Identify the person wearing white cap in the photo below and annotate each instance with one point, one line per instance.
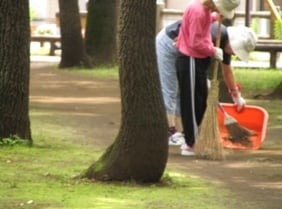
(239, 41)
(240, 38)
(242, 41)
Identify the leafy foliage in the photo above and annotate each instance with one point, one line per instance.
(255, 25)
(278, 28)
(12, 140)
(32, 13)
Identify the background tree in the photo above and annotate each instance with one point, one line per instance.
(14, 69)
(73, 51)
(140, 150)
(101, 31)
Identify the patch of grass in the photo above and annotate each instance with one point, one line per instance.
(42, 177)
(12, 141)
(250, 79)
(261, 79)
(99, 72)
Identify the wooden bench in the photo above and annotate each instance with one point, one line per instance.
(272, 46)
(52, 39)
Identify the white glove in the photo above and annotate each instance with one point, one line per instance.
(218, 54)
(209, 83)
(239, 102)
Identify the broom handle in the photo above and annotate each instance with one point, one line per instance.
(221, 108)
(226, 115)
(217, 44)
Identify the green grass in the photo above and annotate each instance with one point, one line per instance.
(250, 79)
(261, 79)
(99, 72)
(42, 177)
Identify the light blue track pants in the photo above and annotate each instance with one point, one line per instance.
(166, 58)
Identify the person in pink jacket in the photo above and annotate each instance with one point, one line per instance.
(196, 49)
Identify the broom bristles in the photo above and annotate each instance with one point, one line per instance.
(208, 143)
(239, 134)
(238, 131)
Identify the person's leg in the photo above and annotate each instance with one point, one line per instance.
(166, 57)
(186, 91)
(201, 88)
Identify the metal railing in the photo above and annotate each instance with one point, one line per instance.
(260, 20)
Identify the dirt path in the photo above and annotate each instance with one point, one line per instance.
(91, 107)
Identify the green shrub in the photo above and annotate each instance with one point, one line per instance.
(278, 28)
(32, 13)
(11, 141)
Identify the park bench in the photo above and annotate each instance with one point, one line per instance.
(272, 46)
(52, 39)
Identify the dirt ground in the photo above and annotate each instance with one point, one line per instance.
(92, 108)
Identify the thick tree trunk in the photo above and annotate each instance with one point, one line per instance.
(73, 51)
(101, 31)
(14, 69)
(140, 150)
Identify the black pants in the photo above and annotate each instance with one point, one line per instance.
(192, 79)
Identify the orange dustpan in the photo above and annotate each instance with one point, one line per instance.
(251, 117)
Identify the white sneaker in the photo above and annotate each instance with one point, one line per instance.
(186, 150)
(176, 139)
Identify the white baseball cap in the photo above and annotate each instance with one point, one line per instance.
(242, 40)
(226, 7)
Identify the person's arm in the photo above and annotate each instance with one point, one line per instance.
(231, 84)
(229, 78)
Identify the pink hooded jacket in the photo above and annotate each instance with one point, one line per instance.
(194, 37)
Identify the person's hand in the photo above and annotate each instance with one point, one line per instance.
(218, 54)
(239, 101)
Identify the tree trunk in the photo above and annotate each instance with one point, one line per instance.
(101, 31)
(14, 70)
(73, 51)
(140, 150)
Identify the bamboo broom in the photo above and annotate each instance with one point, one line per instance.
(208, 143)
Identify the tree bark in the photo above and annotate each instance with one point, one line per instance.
(73, 51)
(101, 31)
(15, 69)
(140, 150)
